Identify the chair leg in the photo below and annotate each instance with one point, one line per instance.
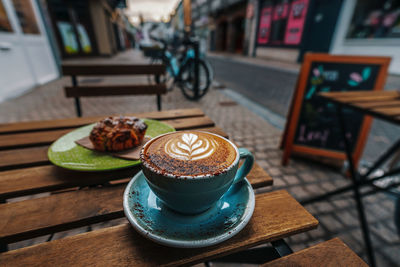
(78, 107)
(159, 102)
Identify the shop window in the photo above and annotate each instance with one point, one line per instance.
(73, 27)
(84, 39)
(68, 37)
(26, 16)
(375, 19)
(282, 22)
(5, 25)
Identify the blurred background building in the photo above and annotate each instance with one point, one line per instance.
(89, 27)
(35, 35)
(26, 54)
(286, 29)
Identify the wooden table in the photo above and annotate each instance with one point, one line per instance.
(26, 170)
(330, 253)
(380, 104)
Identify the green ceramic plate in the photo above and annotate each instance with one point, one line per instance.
(67, 154)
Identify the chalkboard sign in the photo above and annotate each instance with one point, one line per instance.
(312, 126)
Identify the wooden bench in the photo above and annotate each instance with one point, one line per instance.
(76, 91)
(333, 253)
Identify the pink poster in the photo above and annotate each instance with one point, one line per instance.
(265, 25)
(295, 25)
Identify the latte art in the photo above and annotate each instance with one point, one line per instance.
(190, 147)
(188, 153)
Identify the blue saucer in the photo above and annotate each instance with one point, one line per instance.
(155, 221)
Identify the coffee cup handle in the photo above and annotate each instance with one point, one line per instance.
(246, 166)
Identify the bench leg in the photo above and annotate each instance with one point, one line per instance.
(78, 107)
(159, 102)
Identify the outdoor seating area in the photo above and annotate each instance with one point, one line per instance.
(24, 148)
(199, 133)
(277, 214)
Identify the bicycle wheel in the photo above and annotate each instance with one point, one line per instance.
(187, 79)
(210, 69)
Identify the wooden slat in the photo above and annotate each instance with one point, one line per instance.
(367, 98)
(347, 94)
(76, 122)
(25, 157)
(55, 213)
(8, 141)
(276, 215)
(389, 111)
(27, 181)
(378, 104)
(190, 123)
(258, 177)
(112, 69)
(115, 90)
(215, 130)
(331, 253)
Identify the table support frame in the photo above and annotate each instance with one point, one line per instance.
(278, 249)
(355, 178)
(361, 180)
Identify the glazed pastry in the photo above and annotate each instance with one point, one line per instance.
(117, 133)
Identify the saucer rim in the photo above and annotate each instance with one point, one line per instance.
(248, 213)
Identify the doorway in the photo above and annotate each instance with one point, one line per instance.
(238, 35)
(221, 36)
(322, 26)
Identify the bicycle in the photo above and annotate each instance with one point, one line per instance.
(182, 71)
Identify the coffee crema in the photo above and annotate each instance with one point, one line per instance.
(189, 153)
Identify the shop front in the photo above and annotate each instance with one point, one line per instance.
(229, 23)
(369, 27)
(88, 27)
(73, 27)
(280, 28)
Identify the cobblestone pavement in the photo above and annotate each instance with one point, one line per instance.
(274, 88)
(337, 217)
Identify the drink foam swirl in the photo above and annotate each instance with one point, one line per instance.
(190, 146)
(188, 153)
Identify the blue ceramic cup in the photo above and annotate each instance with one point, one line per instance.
(189, 194)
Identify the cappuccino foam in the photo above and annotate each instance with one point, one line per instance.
(189, 153)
